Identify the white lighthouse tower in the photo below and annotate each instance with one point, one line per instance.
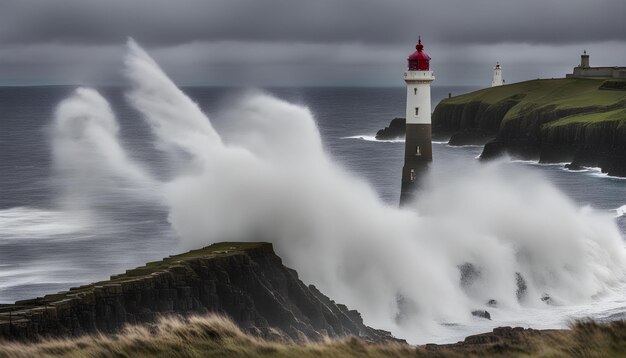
(418, 144)
(497, 76)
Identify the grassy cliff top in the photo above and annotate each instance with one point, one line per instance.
(564, 93)
(218, 249)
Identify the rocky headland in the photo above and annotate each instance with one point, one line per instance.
(246, 282)
(577, 121)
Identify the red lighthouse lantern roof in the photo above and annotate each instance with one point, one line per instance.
(419, 60)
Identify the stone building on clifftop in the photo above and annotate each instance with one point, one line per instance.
(584, 70)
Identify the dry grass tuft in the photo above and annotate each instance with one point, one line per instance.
(197, 336)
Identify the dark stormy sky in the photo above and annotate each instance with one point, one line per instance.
(314, 42)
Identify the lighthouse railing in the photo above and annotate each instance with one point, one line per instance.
(419, 75)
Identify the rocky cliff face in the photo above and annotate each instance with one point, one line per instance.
(245, 281)
(594, 145)
(472, 116)
(531, 136)
(474, 122)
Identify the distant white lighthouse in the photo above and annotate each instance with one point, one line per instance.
(418, 144)
(497, 76)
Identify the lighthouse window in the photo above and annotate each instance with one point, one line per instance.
(417, 151)
(414, 90)
(417, 111)
(412, 174)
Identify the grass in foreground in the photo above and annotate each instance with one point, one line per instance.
(209, 336)
(215, 336)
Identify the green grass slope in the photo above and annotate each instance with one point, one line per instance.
(618, 115)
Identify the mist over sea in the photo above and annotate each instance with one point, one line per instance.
(47, 245)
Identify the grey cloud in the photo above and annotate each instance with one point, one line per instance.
(315, 42)
(257, 63)
(162, 22)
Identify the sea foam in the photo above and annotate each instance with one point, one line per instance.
(25, 223)
(371, 138)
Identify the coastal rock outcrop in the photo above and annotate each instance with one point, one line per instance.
(396, 129)
(245, 281)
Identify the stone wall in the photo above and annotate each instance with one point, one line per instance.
(608, 72)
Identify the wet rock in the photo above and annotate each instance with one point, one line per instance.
(395, 130)
(492, 303)
(501, 342)
(482, 314)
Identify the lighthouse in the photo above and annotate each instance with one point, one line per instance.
(418, 151)
(497, 76)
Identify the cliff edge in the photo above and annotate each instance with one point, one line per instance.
(245, 281)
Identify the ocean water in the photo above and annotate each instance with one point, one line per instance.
(47, 246)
